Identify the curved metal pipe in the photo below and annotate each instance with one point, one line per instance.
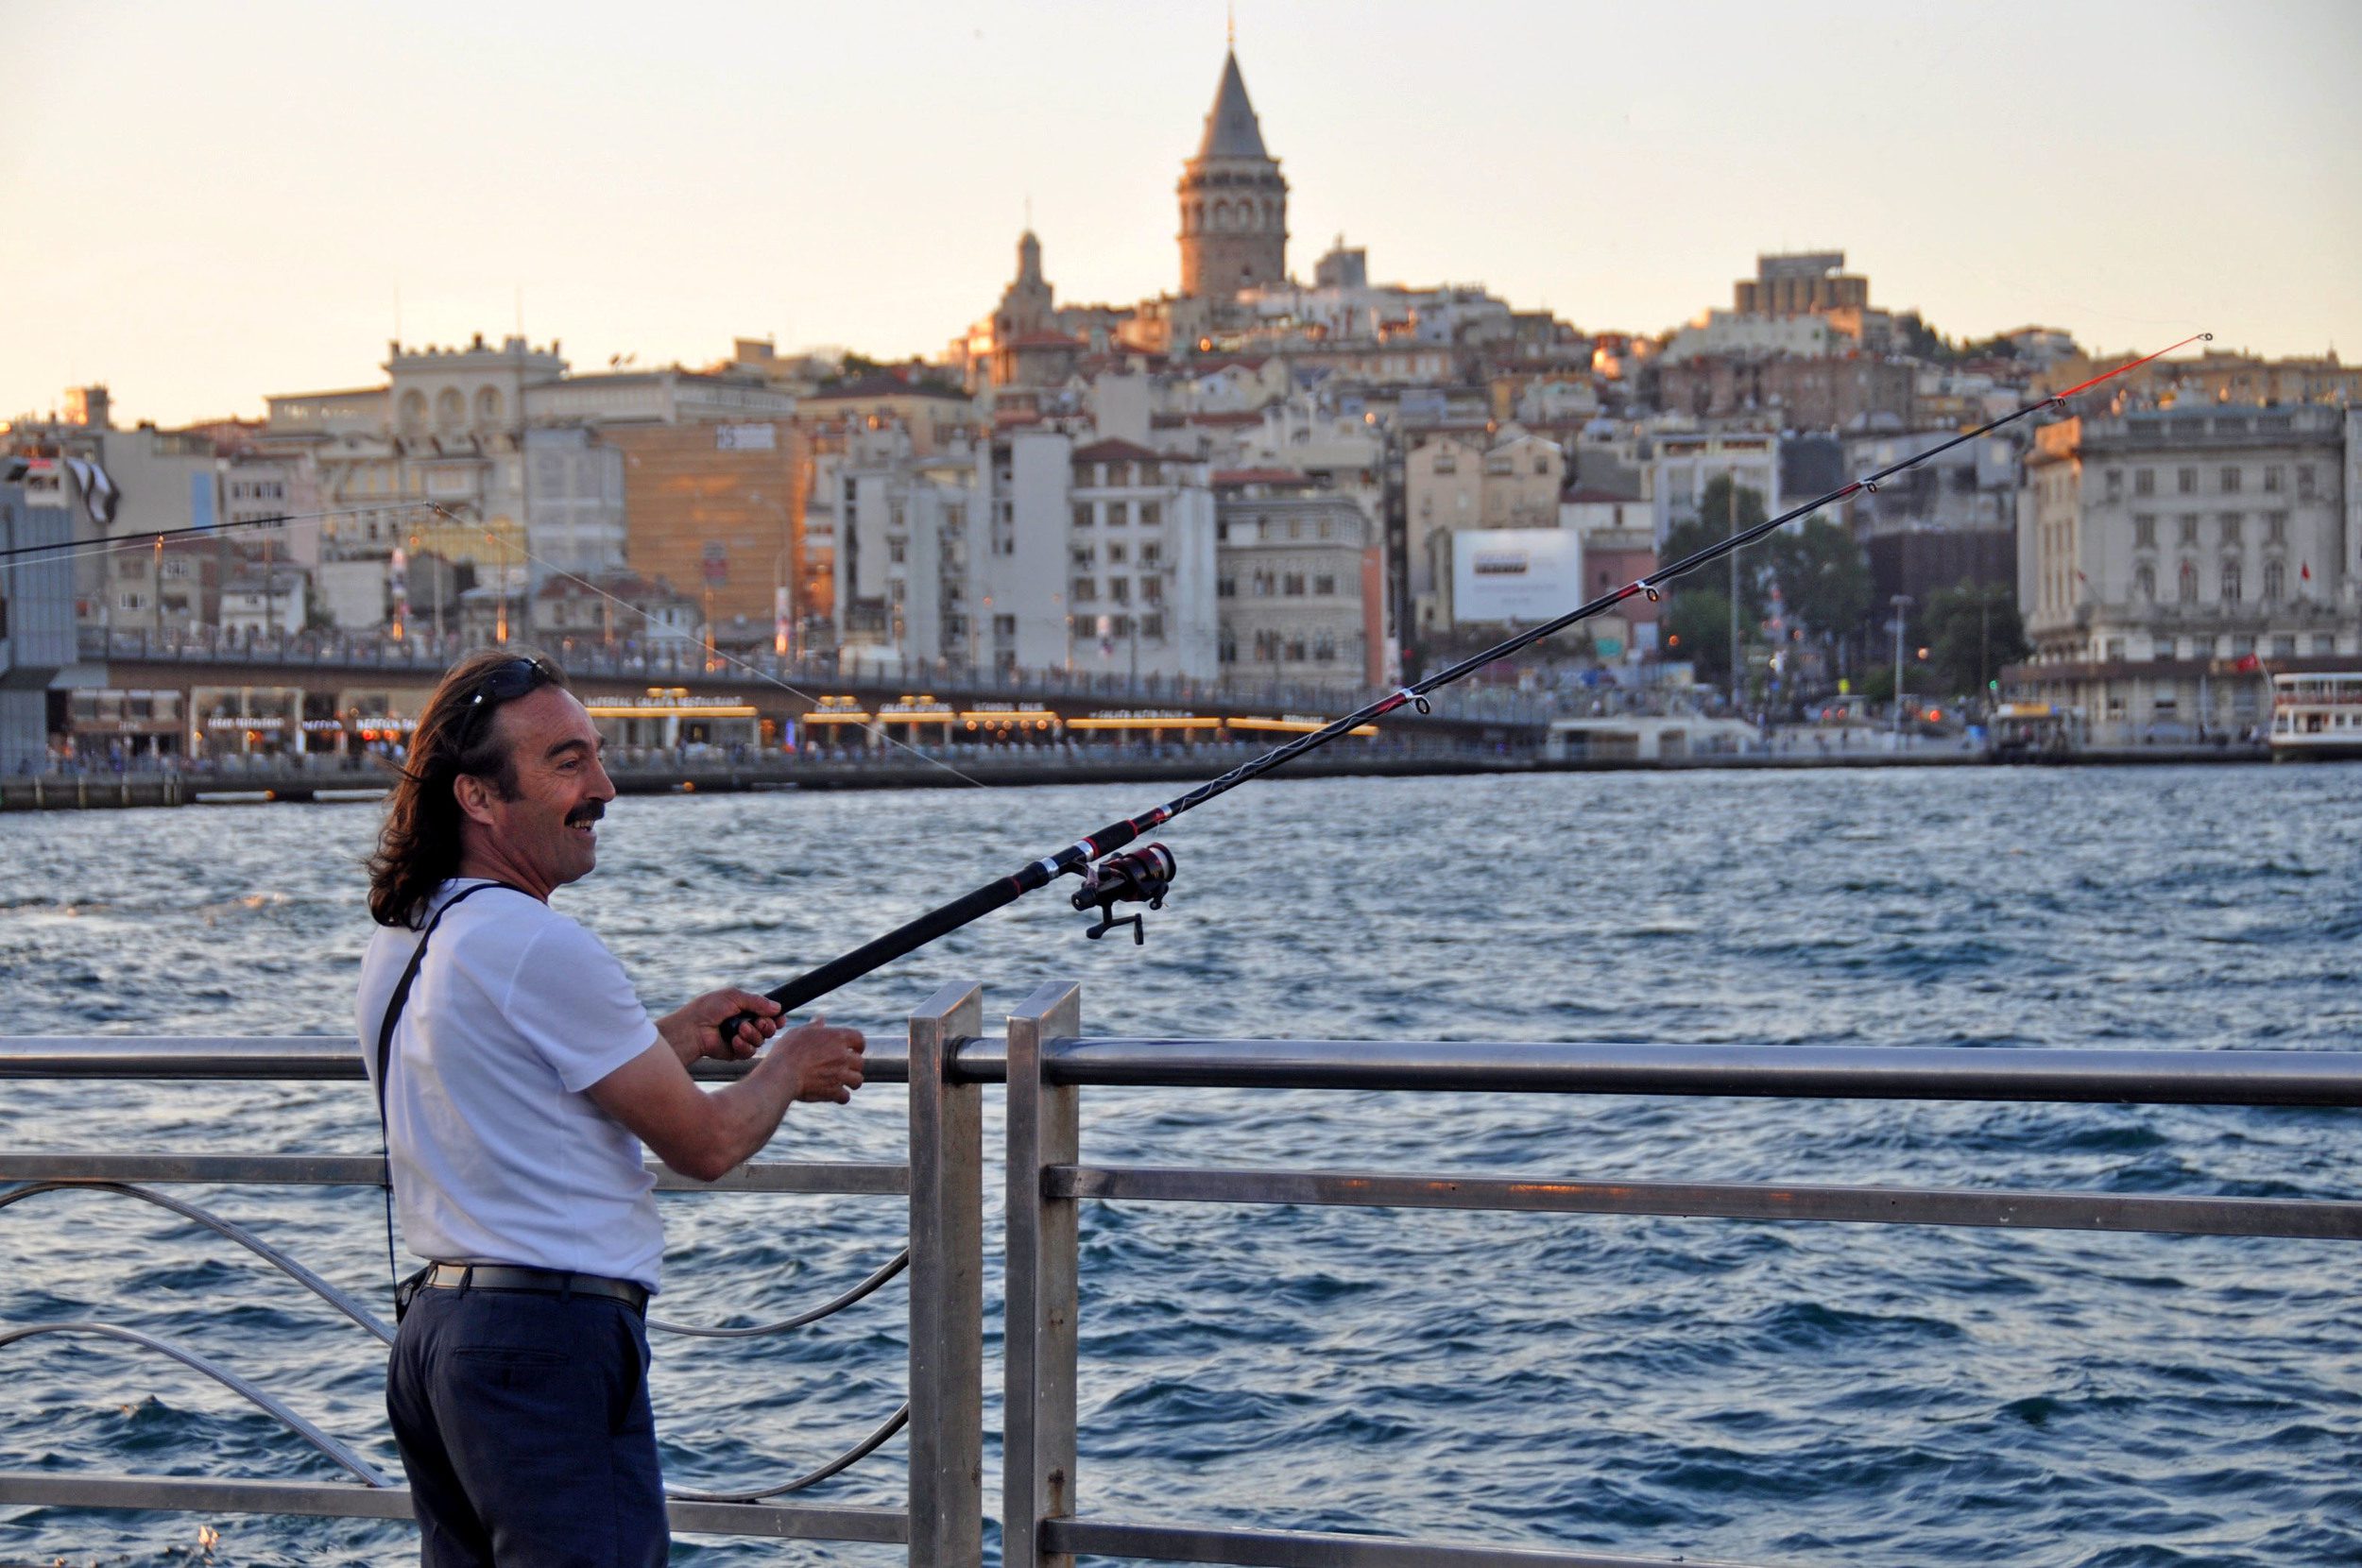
(894, 1266)
(852, 1456)
(222, 1375)
(219, 1226)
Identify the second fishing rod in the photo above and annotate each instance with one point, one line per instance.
(1109, 878)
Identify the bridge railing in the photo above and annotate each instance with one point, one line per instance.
(1047, 1062)
(941, 1182)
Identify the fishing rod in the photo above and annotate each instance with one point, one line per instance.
(1146, 874)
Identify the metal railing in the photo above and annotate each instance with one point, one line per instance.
(941, 1521)
(1046, 1061)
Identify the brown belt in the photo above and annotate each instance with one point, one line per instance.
(546, 1282)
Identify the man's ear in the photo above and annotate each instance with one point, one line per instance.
(476, 798)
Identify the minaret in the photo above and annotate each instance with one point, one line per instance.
(1234, 204)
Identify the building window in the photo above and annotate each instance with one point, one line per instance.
(2115, 650)
(1152, 591)
(898, 551)
(1446, 462)
(2230, 478)
(1263, 584)
(2324, 644)
(1119, 591)
(2284, 646)
(1292, 584)
(1152, 512)
(2233, 526)
(2116, 484)
(1085, 588)
(2275, 582)
(1119, 474)
(1115, 552)
(2188, 587)
(1150, 553)
(1118, 513)
(1225, 588)
(2144, 482)
(2185, 481)
(2231, 585)
(2145, 582)
(2189, 528)
(1005, 627)
(2304, 481)
(2273, 477)
(1325, 585)
(2275, 528)
(1082, 514)
(1153, 627)
(2145, 530)
(1085, 556)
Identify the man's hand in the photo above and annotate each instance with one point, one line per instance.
(694, 1030)
(827, 1061)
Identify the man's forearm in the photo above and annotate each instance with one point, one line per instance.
(746, 1113)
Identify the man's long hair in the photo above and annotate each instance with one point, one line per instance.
(419, 849)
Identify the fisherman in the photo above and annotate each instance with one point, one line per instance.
(519, 1077)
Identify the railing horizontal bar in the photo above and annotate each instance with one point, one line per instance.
(1804, 1072)
(1314, 1549)
(2313, 1219)
(202, 1495)
(369, 1170)
(282, 1058)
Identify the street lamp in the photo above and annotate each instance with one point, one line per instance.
(1900, 602)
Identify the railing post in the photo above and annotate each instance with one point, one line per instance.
(1038, 1410)
(947, 1476)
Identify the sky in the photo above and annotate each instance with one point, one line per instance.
(203, 205)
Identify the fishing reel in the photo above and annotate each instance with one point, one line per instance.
(1143, 876)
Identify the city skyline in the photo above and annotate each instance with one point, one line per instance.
(827, 178)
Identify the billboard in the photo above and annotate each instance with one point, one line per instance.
(1514, 573)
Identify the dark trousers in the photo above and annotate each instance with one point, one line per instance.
(523, 1423)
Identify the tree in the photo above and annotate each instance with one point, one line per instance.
(1699, 629)
(1716, 507)
(1970, 634)
(1824, 577)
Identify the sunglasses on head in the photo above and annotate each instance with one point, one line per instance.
(506, 683)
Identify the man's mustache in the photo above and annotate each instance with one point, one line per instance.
(590, 812)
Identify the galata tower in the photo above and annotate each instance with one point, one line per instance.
(1234, 204)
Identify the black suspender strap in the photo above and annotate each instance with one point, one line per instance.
(394, 1005)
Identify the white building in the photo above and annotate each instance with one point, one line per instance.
(1686, 464)
(2171, 561)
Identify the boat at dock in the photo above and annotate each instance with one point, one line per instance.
(2316, 717)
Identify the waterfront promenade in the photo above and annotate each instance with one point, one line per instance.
(706, 771)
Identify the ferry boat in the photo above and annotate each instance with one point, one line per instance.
(2317, 716)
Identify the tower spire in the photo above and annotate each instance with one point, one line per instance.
(1230, 30)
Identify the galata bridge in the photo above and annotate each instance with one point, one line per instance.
(275, 712)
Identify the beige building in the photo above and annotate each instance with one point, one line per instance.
(1298, 582)
(1458, 481)
(2170, 561)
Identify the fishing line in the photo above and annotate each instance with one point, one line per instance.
(149, 538)
(1145, 875)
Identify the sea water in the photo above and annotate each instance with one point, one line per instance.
(1780, 1394)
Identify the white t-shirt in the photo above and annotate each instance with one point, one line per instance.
(499, 1155)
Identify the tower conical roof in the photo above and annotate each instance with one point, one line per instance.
(1231, 129)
